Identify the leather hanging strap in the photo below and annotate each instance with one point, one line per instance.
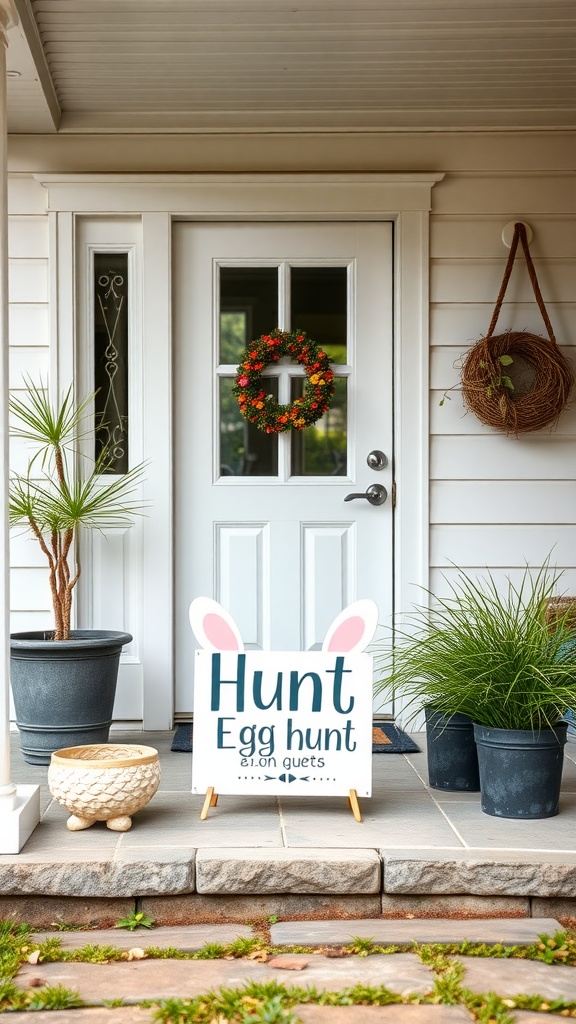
(520, 236)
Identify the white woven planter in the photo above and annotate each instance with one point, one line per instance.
(109, 782)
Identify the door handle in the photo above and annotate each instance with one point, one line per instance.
(376, 494)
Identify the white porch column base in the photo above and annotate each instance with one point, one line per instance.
(19, 815)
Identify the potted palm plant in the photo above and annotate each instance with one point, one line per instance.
(487, 653)
(63, 680)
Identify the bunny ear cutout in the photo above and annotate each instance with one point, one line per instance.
(214, 627)
(353, 629)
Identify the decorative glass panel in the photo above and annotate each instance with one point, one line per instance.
(245, 450)
(111, 360)
(321, 450)
(319, 307)
(248, 308)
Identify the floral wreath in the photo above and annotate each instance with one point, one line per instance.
(261, 408)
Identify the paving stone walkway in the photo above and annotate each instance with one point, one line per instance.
(403, 973)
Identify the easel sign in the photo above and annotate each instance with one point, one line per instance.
(282, 722)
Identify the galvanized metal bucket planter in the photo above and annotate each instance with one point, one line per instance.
(520, 770)
(64, 690)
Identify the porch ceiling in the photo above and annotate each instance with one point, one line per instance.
(242, 65)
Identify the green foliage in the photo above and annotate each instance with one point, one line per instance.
(434, 953)
(50, 950)
(97, 954)
(135, 919)
(487, 654)
(168, 953)
(211, 951)
(53, 997)
(448, 983)
(49, 997)
(270, 1011)
(563, 1007)
(436, 956)
(52, 500)
(14, 947)
(215, 951)
(496, 380)
(488, 1008)
(556, 949)
(12, 930)
(361, 946)
(11, 997)
(366, 995)
(266, 1003)
(244, 946)
(277, 950)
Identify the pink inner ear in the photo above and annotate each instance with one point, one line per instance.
(219, 633)
(348, 634)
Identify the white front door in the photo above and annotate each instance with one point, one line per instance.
(261, 520)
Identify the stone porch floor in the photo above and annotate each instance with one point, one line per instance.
(417, 852)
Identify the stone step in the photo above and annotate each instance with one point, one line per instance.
(188, 938)
(137, 980)
(386, 932)
(382, 1014)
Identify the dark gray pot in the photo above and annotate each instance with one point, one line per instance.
(452, 755)
(520, 770)
(64, 689)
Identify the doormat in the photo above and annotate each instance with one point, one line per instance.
(387, 738)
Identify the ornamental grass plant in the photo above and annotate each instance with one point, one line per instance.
(487, 652)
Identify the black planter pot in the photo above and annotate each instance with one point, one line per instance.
(64, 690)
(452, 755)
(520, 770)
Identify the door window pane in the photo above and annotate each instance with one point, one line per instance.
(245, 450)
(111, 360)
(248, 308)
(319, 306)
(321, 450)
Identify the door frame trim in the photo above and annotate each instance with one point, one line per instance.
(404, 199)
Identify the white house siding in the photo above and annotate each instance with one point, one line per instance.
(29, 337)
(494, 501)
(499, 501)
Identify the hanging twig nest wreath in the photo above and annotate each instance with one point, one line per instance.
(260, 407)
(489, 387)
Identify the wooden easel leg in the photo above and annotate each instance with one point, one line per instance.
(209, 801)
(354, 805)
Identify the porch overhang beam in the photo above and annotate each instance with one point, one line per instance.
(34, 43)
